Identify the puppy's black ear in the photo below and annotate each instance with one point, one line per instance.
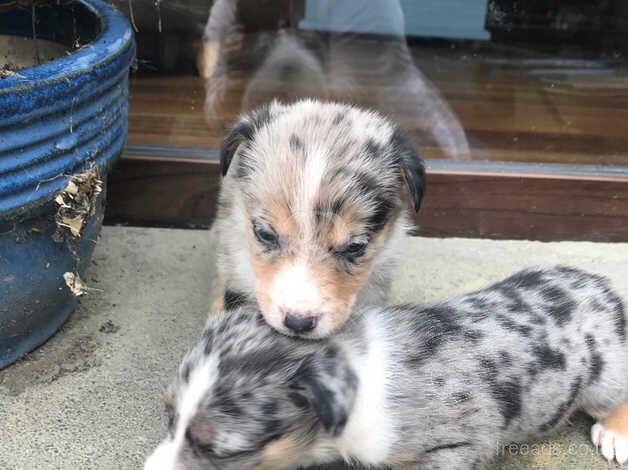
(412, 167)
(326, 383)
(240, 133)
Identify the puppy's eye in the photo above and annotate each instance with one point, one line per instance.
(352, 250)
(265, 236)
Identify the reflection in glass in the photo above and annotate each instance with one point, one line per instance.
(490, 80)
(377, 71)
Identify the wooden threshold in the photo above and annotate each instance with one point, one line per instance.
(174, 187)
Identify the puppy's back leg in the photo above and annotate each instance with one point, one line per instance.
(606, 397)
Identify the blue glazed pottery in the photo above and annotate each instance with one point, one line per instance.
(62, 125)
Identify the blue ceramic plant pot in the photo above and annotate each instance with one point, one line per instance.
(62, 125)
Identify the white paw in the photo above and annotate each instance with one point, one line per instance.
(613, 446)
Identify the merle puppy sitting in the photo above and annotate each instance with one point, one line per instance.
(437, 387)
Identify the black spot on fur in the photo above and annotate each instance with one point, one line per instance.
(365, 183)
(454, 445)
(549, 358)
(596, 363)
(508, 396)
(461, 397)
(553, 294)
(563, 409)
(271, 428)
(561, 310)
(516, 304)
(272, 425)
(620, 320)
(338, 118)
(532, 369)
(507, 393)
(510, 325)
(298, 400)
(439, 381)
(489, 370)
(383, 200)
(381, 215)
(269, 408)
(579, 282)
(234, 299)
(473, 336)
(527, 279)
(227, 404)
(295, 143)
(438, 324)
(330, 352)
(371, 149)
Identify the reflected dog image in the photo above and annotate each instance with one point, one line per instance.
(260, 59)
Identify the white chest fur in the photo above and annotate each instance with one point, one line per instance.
(369, 434)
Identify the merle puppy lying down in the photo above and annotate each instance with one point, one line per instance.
(437, 387)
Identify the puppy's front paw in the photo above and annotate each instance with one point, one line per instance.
(614, 446)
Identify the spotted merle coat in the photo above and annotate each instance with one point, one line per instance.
(311, 212)
(437, 387)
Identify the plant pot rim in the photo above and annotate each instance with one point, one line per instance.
(114, 38)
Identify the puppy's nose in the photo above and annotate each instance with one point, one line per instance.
(300, 323)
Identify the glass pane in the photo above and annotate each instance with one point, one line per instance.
(485, 80)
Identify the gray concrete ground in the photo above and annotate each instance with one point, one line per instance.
(91, 398)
